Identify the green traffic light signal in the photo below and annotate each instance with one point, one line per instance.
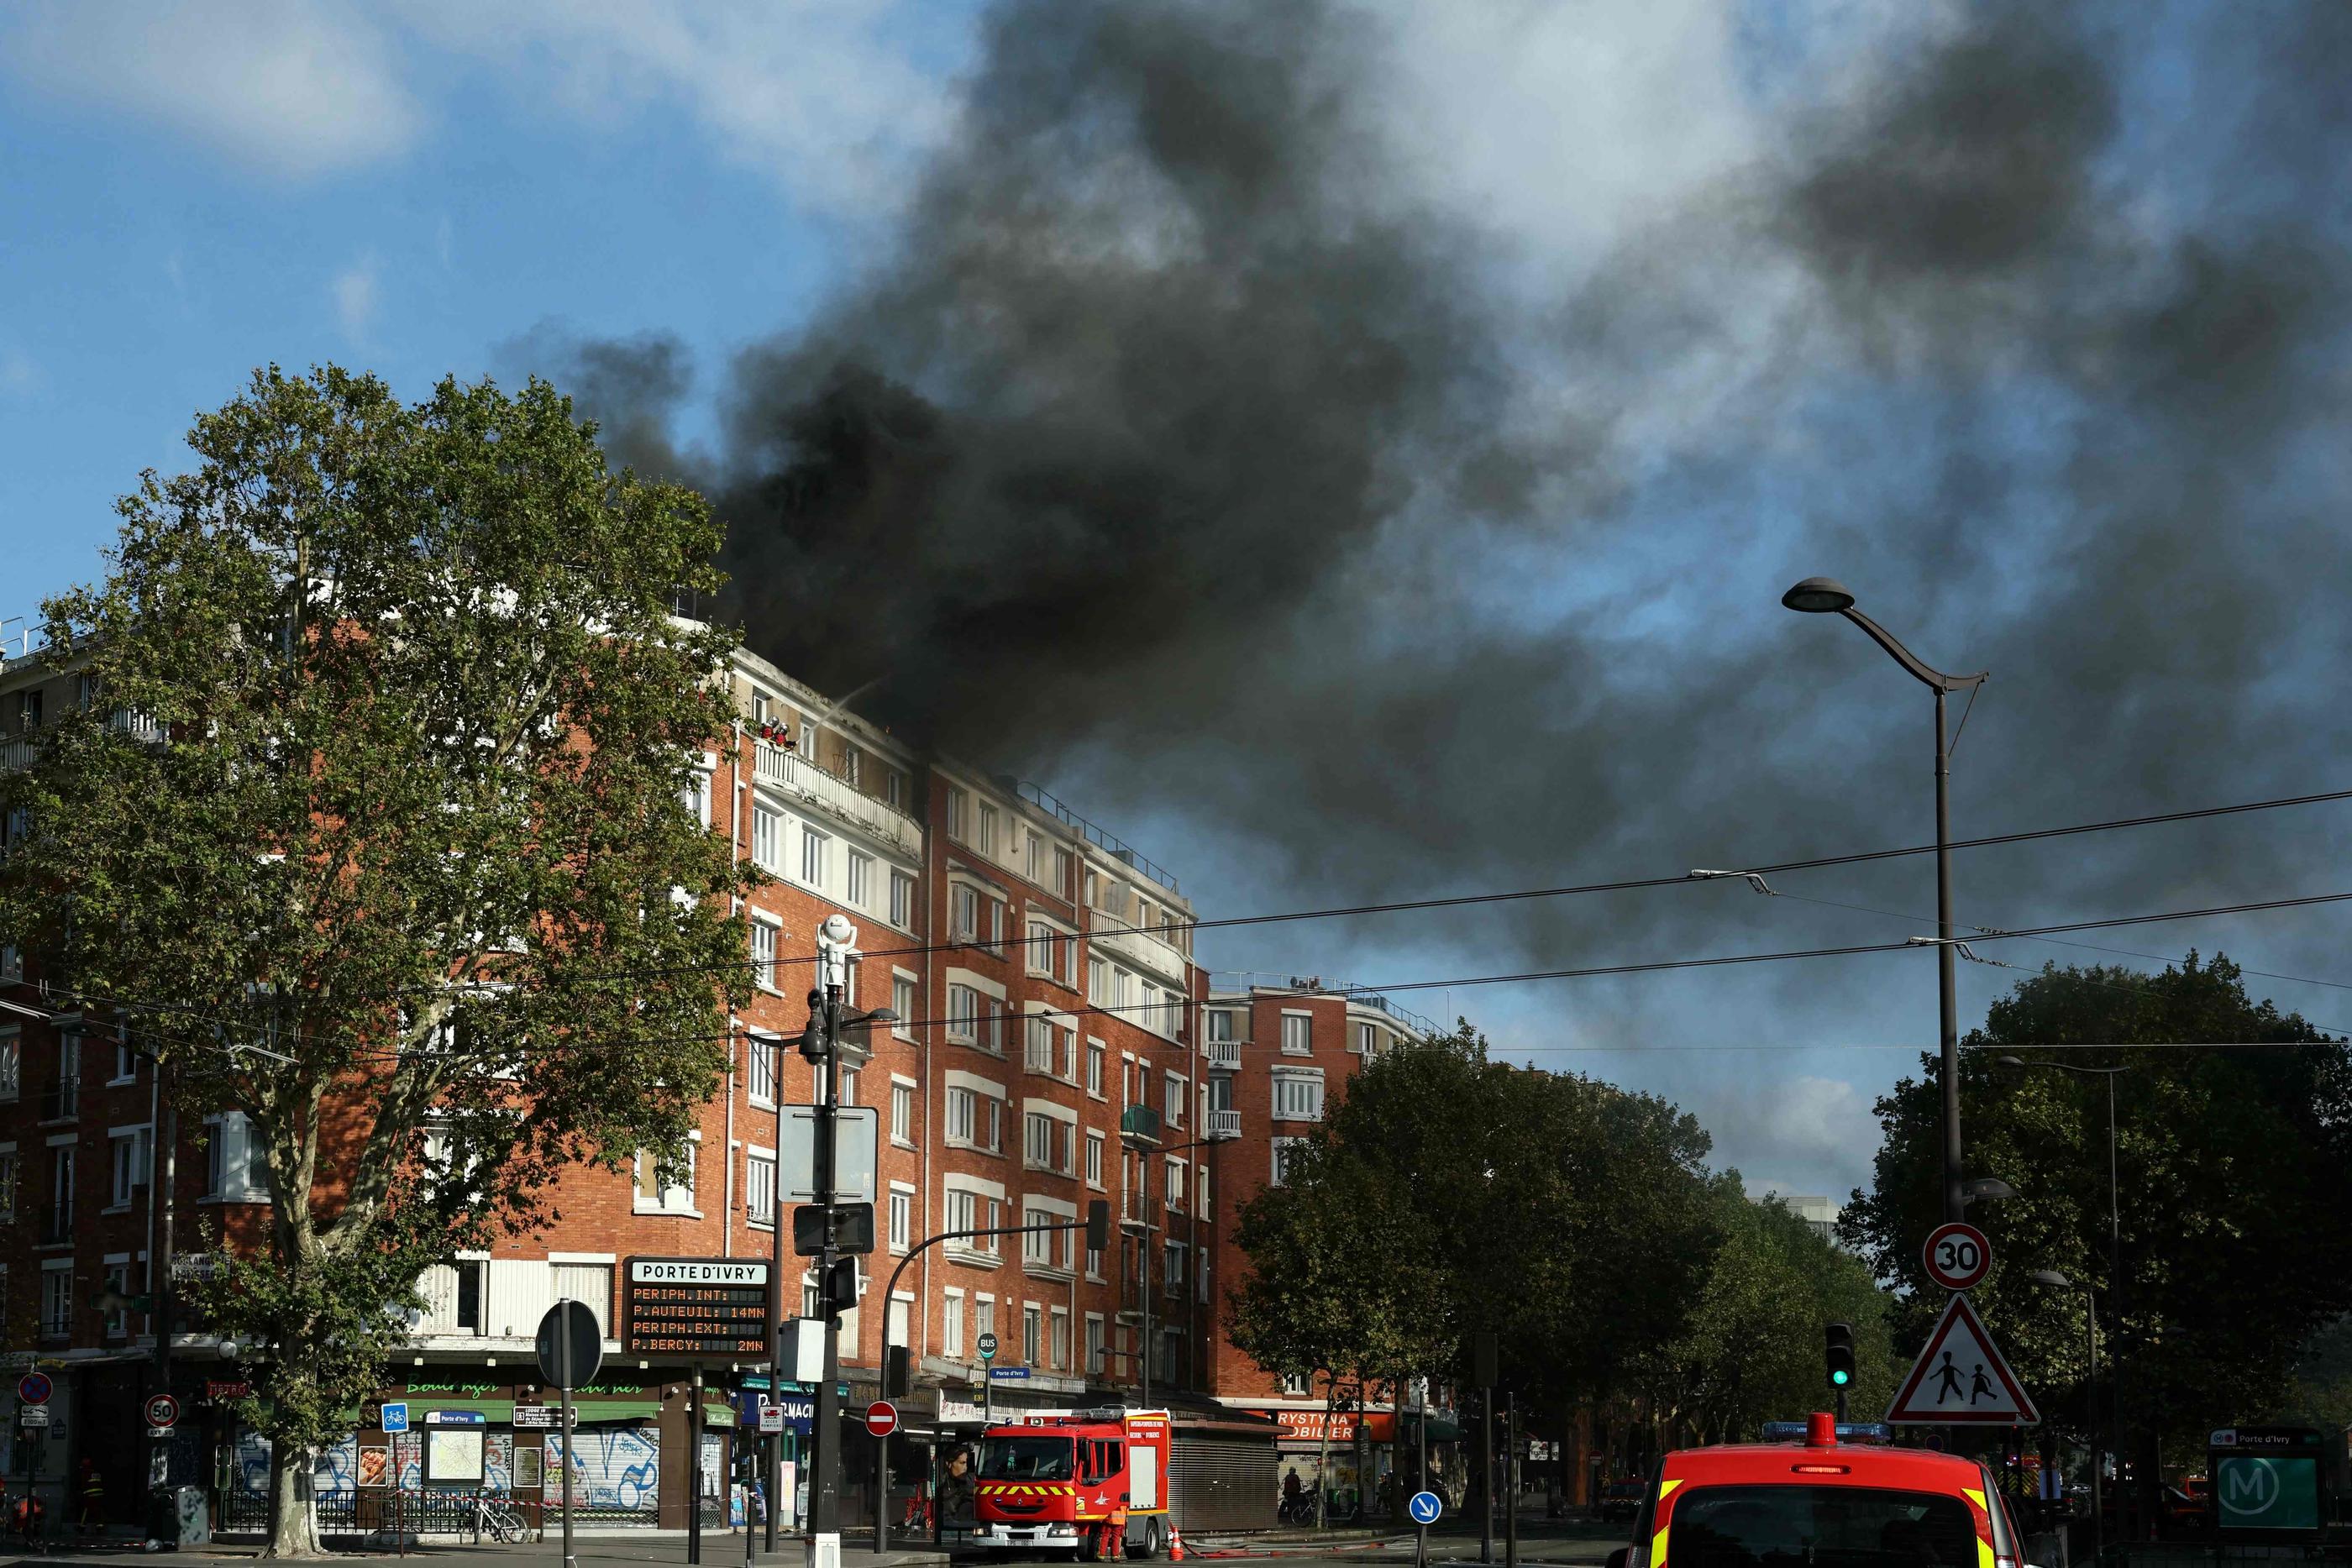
(1840, 1377)
(1839, 1338)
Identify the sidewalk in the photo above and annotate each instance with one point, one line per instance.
(719, 1550)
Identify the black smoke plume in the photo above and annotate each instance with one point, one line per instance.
(1184, 444)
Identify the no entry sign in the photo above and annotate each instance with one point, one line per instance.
(881, 1417)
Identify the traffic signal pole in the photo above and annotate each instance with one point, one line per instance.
(825, 1483)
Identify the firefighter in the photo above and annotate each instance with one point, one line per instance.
(89, 1518)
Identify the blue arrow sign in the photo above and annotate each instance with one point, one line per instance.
(1007, 1374)
(1425, 1507)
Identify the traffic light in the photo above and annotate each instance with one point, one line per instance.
(1840, 1356)
(896, 1381)
(840, 1289)
(1099, 1225)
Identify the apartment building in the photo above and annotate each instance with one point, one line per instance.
(1279, 1049)
(1048, 1054)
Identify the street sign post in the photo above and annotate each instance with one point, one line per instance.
(396, 1416)
(1958, 1256)
(1424, 1507)
(988, 1347)
(571, 1349)
(34, 1388)
(1962, 1379)
(881, 1417)
(163, 1411)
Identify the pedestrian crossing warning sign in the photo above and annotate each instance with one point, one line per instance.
(1960, 1378)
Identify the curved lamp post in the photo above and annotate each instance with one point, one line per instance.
(1825, 596)
(2058, 1281)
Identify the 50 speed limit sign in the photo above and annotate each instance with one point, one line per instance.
(1956, 1256)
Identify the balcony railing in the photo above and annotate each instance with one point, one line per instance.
(1140, 1122)
(1224, 1055)
(16, 755)
(795, 775)
(1224, 1125)
(1092, 834)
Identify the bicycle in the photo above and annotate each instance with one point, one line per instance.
(498, 1518)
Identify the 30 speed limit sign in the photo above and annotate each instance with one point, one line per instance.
(1956, 1256)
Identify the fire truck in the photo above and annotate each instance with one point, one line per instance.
(1078, 1482)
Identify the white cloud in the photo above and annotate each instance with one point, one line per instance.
(1801, 1135)
(355, 292)
(20, 374)
(293, 87)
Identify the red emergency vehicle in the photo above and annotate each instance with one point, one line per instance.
(1074, 1479)
(1821, 1503)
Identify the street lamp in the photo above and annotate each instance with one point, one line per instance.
(2058, 1281)
(1987, 1186)
(1823, 596)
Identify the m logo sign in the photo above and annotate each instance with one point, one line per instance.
(2250, 1487)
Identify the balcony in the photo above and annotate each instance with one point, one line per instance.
(1223, 1124)
(795, 775)
(1146, 952)
(16, 755)
(1224, 1055)
(1139, 1124)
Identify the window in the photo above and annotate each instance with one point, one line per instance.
(1059, 1348)
(7, 1182)
(1037, 1044)
(1201, 1273)
(894, 787)
(1178, 1091)
(1147, 1011)
(1221, 1092)
(1175, 1184)
(970, 1210)
(902, 1220)
(1297, 1097)
(812, 744)
(1221, 1024)
(1064, 864)
(1045, 1143)
(1282, 1147)
(764, 955)
(1298, 1384)
(12, 1065)
(950, 1319)
(1095, 1054)
(128, 1151)
(963, 912)
(1297, 1033)
(28, 711)
(768, 838)
(1029, 1325)
(590, 1281)
(983, 1315)
(56, 1298)
(902, 1113)
(852, 766)
(902, 1002)
(1171, 1268)
(963, 1013)
(118, 1279)
(468, 1306)
(760, 709)
(61, 1192)
(1043, 942)
(1094, 1263)
(973, 1120)
(696, 796)
(813, 851)
(126, 1061)
(959, 813)
(235, 1169)
(861, 878)
(1094, 1159)
(760, 1188)
(1037, 1246)
(666, 1186)
(902, 899)
(760, 1051)
(849, 1086)
(1033, 858)
(987, 845)
(1368, 1039)
(1097, 982)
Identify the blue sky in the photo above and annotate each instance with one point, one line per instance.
(416, 187)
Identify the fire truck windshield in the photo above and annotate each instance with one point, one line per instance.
(1025, 1459)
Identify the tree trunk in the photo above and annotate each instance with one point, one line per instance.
(293, 1528)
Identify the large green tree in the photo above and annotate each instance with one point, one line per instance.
(2233, 1126)
(1568, 1216)
(409, 882)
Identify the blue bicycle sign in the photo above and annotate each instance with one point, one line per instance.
(1424, 1507)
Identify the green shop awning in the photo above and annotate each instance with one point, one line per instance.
(584, 1411)
(489, 1409)
(716, 1415)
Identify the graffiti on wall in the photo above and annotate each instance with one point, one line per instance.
(497, 1462)
(618, 1468)
(250, 1465)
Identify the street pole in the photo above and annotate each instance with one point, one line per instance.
(824, 1487)
(777, 1297)
(2114, 1286)
(1143, 1247)
(1511, 1480)
(694, 1492)
(2090, 1414)
(563, 1364)
(1486, 1474)
(165, 1161)
(1821, 596)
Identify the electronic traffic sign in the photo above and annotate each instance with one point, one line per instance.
(714, 1309)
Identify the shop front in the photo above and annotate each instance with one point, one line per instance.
(1363, 1465)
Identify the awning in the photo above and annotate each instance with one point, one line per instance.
(488, 1409)
(614, 1410)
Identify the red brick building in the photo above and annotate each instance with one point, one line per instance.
(1049, 1054)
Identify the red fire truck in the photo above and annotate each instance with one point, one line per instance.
(1074, 1481)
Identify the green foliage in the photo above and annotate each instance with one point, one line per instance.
(413, 858)
(1754, 1348)
(1447, 1195)
(2235, 1240)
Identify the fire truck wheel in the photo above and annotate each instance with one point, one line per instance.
(1090, 1545)
(1155, 1539)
